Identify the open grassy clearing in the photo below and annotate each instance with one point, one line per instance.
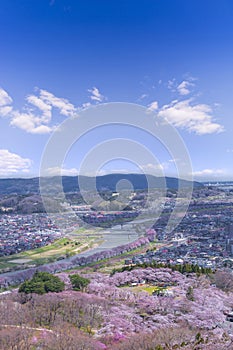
(146, 288)
(61, 248)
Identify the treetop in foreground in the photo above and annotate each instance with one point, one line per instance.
(41, 283)
(78, 282)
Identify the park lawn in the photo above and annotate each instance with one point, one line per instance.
(149, 289)
(145, 287)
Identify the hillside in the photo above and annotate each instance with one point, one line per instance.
(105, 182)
(121, 311)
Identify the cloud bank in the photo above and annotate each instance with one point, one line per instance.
(12, 163)
(36, 115)
(195, 118)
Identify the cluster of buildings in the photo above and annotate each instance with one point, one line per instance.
(205, 235)
(105, 218)
(23, 232)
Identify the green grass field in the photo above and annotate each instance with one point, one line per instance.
(64, 247)
(146, 288)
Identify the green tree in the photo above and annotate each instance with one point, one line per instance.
(189, 294)
(78, 282)
(42, 282)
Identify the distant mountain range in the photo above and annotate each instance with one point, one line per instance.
(106, 182)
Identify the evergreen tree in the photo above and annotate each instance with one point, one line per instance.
(78, 282)
(41, 283)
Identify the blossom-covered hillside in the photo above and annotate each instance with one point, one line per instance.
(121, 312)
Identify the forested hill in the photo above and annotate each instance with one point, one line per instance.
(105, 182)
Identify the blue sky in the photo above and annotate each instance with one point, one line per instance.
(172, 56)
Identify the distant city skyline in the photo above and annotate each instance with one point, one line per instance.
(61, 57)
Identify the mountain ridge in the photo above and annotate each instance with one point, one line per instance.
(103, 182)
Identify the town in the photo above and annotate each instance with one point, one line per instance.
(204, 237)
(23, 232)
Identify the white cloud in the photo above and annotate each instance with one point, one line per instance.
(45, 108)
(184, 87)
(174, 160)
(197, 118)
(142, 97)
(5, 111)
(29, 122)
(153, 106)
(171, 84)
(36, 115)
(101, 172)
(96, 95)
(12, 163)
(39, 124)
(65, 107)
(5, 99)
(57, 171)
(156, 169)
(5, 103)
(209, 172)
(86, 105)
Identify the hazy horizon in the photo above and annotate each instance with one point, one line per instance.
(120, 173)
